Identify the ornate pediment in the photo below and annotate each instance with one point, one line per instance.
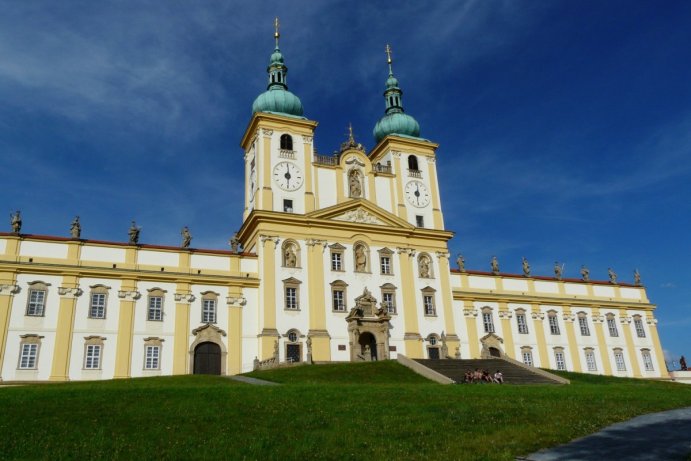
(359, 215)
(208, 330)
(366, 307)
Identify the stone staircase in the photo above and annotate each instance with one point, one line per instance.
(514, 372)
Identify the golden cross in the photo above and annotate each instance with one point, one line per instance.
(351, 138)
(388, 53)
(276, 33)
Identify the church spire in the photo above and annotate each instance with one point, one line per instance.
(393, 93)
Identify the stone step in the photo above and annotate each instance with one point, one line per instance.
(513, 374)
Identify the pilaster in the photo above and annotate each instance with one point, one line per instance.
(452, 339)
(505, 316)
(411, 338)
(538, 324)
(128, 295)
(652, 327)
(598, 320)
(8, 289)
(401, 209)
(69, 292)
(235, 303)
(265, 196)
(267, 317)
(321, 346)
(470, 313)
(436, 202)
(633, 355)
(569, 319)
(183, 299)
(308, 169)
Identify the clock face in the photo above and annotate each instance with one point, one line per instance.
(288, 176)
(417, 194)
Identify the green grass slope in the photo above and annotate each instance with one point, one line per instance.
(346, 411)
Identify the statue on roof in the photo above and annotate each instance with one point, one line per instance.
(526, 267)
(75, 228)
(637, 278)
(133, 233)
(16, 221)
(460, 261)
(351, 143)
(234, 243)
(495, 265)
(612, 275)
(585, 274)
(186, 237)
(558, 269)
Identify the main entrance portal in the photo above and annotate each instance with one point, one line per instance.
(207, 359)
(368, 346)
(368, 328)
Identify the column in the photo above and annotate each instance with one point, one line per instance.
(267, 270)
(601, 343)
(128, 295)
(183, 298)
(633, 353)
(470, 313)
(235, 302)
(308, 169)
(402, 211)
(8, 288)
(69, 291)
(447, 302)
(652, 327)
(411, 337)
(436, 207)
(538, 318)
(569, 319)
(321, 341)
(505, 316)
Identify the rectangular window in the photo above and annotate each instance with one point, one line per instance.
(428, 302)
(37, 302)
(559, 358)
(583, 323)
(209, 311)
(419, 221)
(487, 322)
(152, 360)
(97, 310)
(28, 356)
(554, 325)
(338, 301)
(388, 301)
(590, 360)
(522, 324)
(155, 308)
(288, 206)
(291, 298)
(336, 261)
(92, 358)
(385, 263)
(638, 323)
(612, 326)
(619, 360)
(528, 358)
(647, 361)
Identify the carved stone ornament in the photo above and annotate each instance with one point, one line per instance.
(315, 242)
(360, 215)
(470, 312)
(396, 154)
(9, 289)
(651, 321)
(353, 160)
(266, 132)
(505, 314)
(70, 292)
(130, 295)
(598, 318)
(538, 315)
(273, 238)
(443, 254)
(625, 320)
(208, 331)
(236, 300)
(307, 139)
(569, 317)
(184, 298)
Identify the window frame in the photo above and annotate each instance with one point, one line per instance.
(527, 356)
(647, 360)
(553, 322)
(583, 324)
(386, 255)
(33, 341)
(590, 360)
(390, 290)
(211, 298)
(291, 294)
(619, 359)
(522, 322)
(337, 249)
(488, 320)
(638, 325)
(152, 343)
(560, 359)
(154, 306)
(429, 304)
(35, 308)
(612, 325)
(98, 291)
(339, 286)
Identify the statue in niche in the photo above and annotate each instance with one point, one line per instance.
(133, 233)
(75, 228)
(186, 237)
(424, 267)
(495, 265)
(290, 258)
(360, 259)
(460, 261)
(234, 243)
(585, 274)
(354, 184)
(612, 275)
(637, 278)
(526, 267)
(16, 221)
(557, 270)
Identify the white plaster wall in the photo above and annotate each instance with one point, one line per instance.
(455, 280)
(220, 263)
(158, 258)
(575, 289)
(82, 322)
(515, 285)
(76, 362)
(522, 339)
(327, 187)
(3, 245)
(142, 326)
(631, 293)
(10, 371)
(486, 283)
(103, 254)
(292, 319)
(222, 308)
(382, 186)
(600, 290)
(560, 340)
(22, 323)
(43, 249)
(546, 287)
(249, 265)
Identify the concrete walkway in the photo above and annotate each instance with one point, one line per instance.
(654, 437)
(255, 381)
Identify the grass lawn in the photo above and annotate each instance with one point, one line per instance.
(347, 411)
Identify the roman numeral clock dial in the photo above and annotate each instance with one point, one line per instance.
(288, 176)
(417, 194)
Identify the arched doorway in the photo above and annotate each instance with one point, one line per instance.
(368, 346)
(494, 352)
(207, 359)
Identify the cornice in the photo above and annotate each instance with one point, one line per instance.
(534, 298)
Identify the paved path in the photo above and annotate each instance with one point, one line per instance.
(255, 381)
(664, 436)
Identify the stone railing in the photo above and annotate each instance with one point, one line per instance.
(414, 173)
(328, 160)
(379, 168)
(286, 153)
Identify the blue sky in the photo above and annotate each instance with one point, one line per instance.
(564, 127)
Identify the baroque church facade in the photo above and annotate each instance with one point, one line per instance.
(344, 258)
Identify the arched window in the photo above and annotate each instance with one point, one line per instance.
(286, 142)
(412, 163)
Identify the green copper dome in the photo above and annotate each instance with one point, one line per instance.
(394, 121)
(277, 98)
